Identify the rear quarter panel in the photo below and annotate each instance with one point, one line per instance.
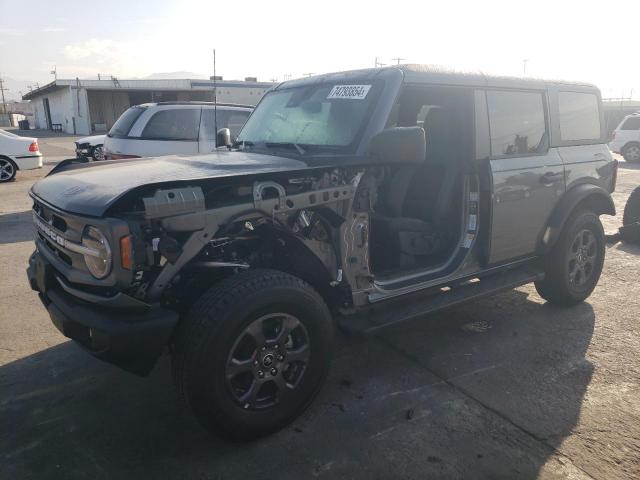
(587, 164)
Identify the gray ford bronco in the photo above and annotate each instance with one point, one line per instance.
(358, 199)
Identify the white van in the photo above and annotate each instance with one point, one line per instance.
(170, 128)
(626, 138)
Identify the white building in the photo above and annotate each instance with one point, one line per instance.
(83, 107)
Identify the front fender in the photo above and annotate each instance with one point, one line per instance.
(589, 196)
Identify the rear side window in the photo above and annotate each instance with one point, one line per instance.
(517, 123)
(173, 124)
(631, 123)
(234, 120)
(579, 116)
(124, 123)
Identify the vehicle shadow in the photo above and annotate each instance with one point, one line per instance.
(626, 247)
(16, 227)
(629, 166)
(483, 391)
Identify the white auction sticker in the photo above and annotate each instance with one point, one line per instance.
(350, 92)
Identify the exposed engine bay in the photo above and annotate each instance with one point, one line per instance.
(193, 236)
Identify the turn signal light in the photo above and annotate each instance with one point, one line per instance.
(126, 253)
(33, 147)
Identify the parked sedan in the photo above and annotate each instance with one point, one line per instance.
(17, 153)
(90, 147)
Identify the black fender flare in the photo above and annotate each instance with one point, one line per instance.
(593, 197)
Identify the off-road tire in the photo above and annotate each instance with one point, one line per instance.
(556, 286)
(205, 339)
(632, 208)
(630, 152)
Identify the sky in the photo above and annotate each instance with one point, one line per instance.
(584, 40)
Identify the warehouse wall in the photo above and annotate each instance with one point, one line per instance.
(60, 105)
(68, 107)
(245, 96)
(105, 107)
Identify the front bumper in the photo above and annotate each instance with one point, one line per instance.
(83, 151)
(130, 337)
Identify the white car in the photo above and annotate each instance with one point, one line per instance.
(626, 138)
(90, 147)
(17, 153)
(172, 128)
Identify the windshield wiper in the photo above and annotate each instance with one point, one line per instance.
(300, 150)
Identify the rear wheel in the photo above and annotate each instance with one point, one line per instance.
(253, 353)
(8, 170)
(631, 153)
(573, 267)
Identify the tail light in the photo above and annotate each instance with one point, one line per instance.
(34, 147)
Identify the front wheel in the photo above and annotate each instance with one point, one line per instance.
(97, 153)
(253, 353)
(632, 208)
(574, 265)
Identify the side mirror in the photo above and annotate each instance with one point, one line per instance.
(223, 138)
(399, 145)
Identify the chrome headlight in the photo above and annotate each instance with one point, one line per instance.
(98, 254)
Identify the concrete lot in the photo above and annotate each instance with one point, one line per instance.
(508, 387)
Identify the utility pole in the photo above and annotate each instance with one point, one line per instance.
(2, 89)
(524, 65)
(54, 72)
(378, 64)
(215, 98)
(398, 59)
(308, 74)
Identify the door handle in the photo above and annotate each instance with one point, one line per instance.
(550, 177)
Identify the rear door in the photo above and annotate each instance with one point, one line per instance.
(580, 136)
(527, 175)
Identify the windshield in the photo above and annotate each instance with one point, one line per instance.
(326, 115)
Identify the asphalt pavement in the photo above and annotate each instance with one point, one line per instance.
(506, 387)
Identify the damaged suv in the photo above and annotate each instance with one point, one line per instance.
(358, 199)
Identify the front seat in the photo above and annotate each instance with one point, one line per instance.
(416, 206)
